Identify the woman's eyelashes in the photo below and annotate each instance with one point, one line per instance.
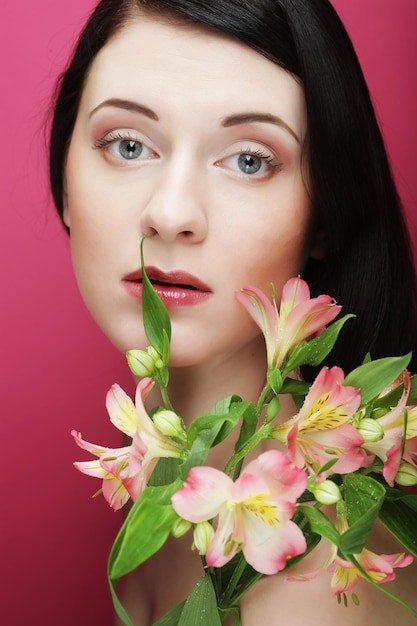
(252, 163)
(120, 147)
(124, 146)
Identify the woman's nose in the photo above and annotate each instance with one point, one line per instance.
(176, 207)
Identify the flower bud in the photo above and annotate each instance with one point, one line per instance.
(406, 475)
(169, 424)
(273, 409)
(141, 363)
(371, 430)
(203, 534)
(326, 492)
(158, 362)
(180, 527)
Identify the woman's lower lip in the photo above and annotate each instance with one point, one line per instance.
(173, 296)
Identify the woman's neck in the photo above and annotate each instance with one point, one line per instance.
(195, 390)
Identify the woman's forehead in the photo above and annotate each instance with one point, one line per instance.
(179, 65)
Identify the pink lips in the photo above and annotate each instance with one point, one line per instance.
(176, 288)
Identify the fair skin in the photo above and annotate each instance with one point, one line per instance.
(171, 143)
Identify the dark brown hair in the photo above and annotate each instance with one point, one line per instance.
(368, 266)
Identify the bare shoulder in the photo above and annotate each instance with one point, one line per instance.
(275, 600)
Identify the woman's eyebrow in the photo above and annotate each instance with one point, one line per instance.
(266, 118)
(232, 120)
(127, 105)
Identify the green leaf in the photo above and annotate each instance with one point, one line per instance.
(298, 389)
(207, 422)
(392, 398)
(118, 607)
(412, 397)
(320, 524)
(155, 315)
(201, 605)
(199, 450)
(363, 498)
(275, 380)
(209, 430)
(166, 339)
(400, 518)
(295, 387)
(165, 472)
(172, 617)
(375, 376)
(315, 351)
(226, 572)
(247, 429)
(204, 440)
(144, 531)
(411, 501)
(249, 423)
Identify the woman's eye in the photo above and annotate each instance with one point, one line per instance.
(252, 163)
(119, 148)
(129, 149)
(249, 163)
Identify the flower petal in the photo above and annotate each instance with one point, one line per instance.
(310, 318)
(121, 410)
(92, 468)
(93, 448)
(284, 481)
(264, 313)
(225, 542)
(202, 494)
(115, 493)
(268, 548)
(294, 292)
(329, 403)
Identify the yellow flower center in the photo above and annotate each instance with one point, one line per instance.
(258, 506)
(324, 417)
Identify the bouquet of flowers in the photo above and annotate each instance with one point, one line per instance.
(351, 445)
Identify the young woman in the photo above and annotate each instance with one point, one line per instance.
(240, 139)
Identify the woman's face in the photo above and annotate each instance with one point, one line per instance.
(194, 140)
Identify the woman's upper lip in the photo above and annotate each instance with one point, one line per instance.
(174, 277)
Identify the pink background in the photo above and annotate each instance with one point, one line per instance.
(55, 365)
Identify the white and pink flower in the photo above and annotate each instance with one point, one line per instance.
(321, 431)
(398, 440)
(300, 317)
(125, 471)
(379, 567)
(254, 512)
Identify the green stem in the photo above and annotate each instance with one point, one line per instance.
(215, 575)
(262, 433)
(264, 398)
(165, 398)
(237, 618)
(224, 614)
(246, 588)
(233, 582)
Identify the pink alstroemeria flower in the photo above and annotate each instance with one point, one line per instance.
(321, 430)
(379, 567)
(300, 317)
(126, 471)
(254, 512)
(389, 448)
(345, 575)
(122, 469)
